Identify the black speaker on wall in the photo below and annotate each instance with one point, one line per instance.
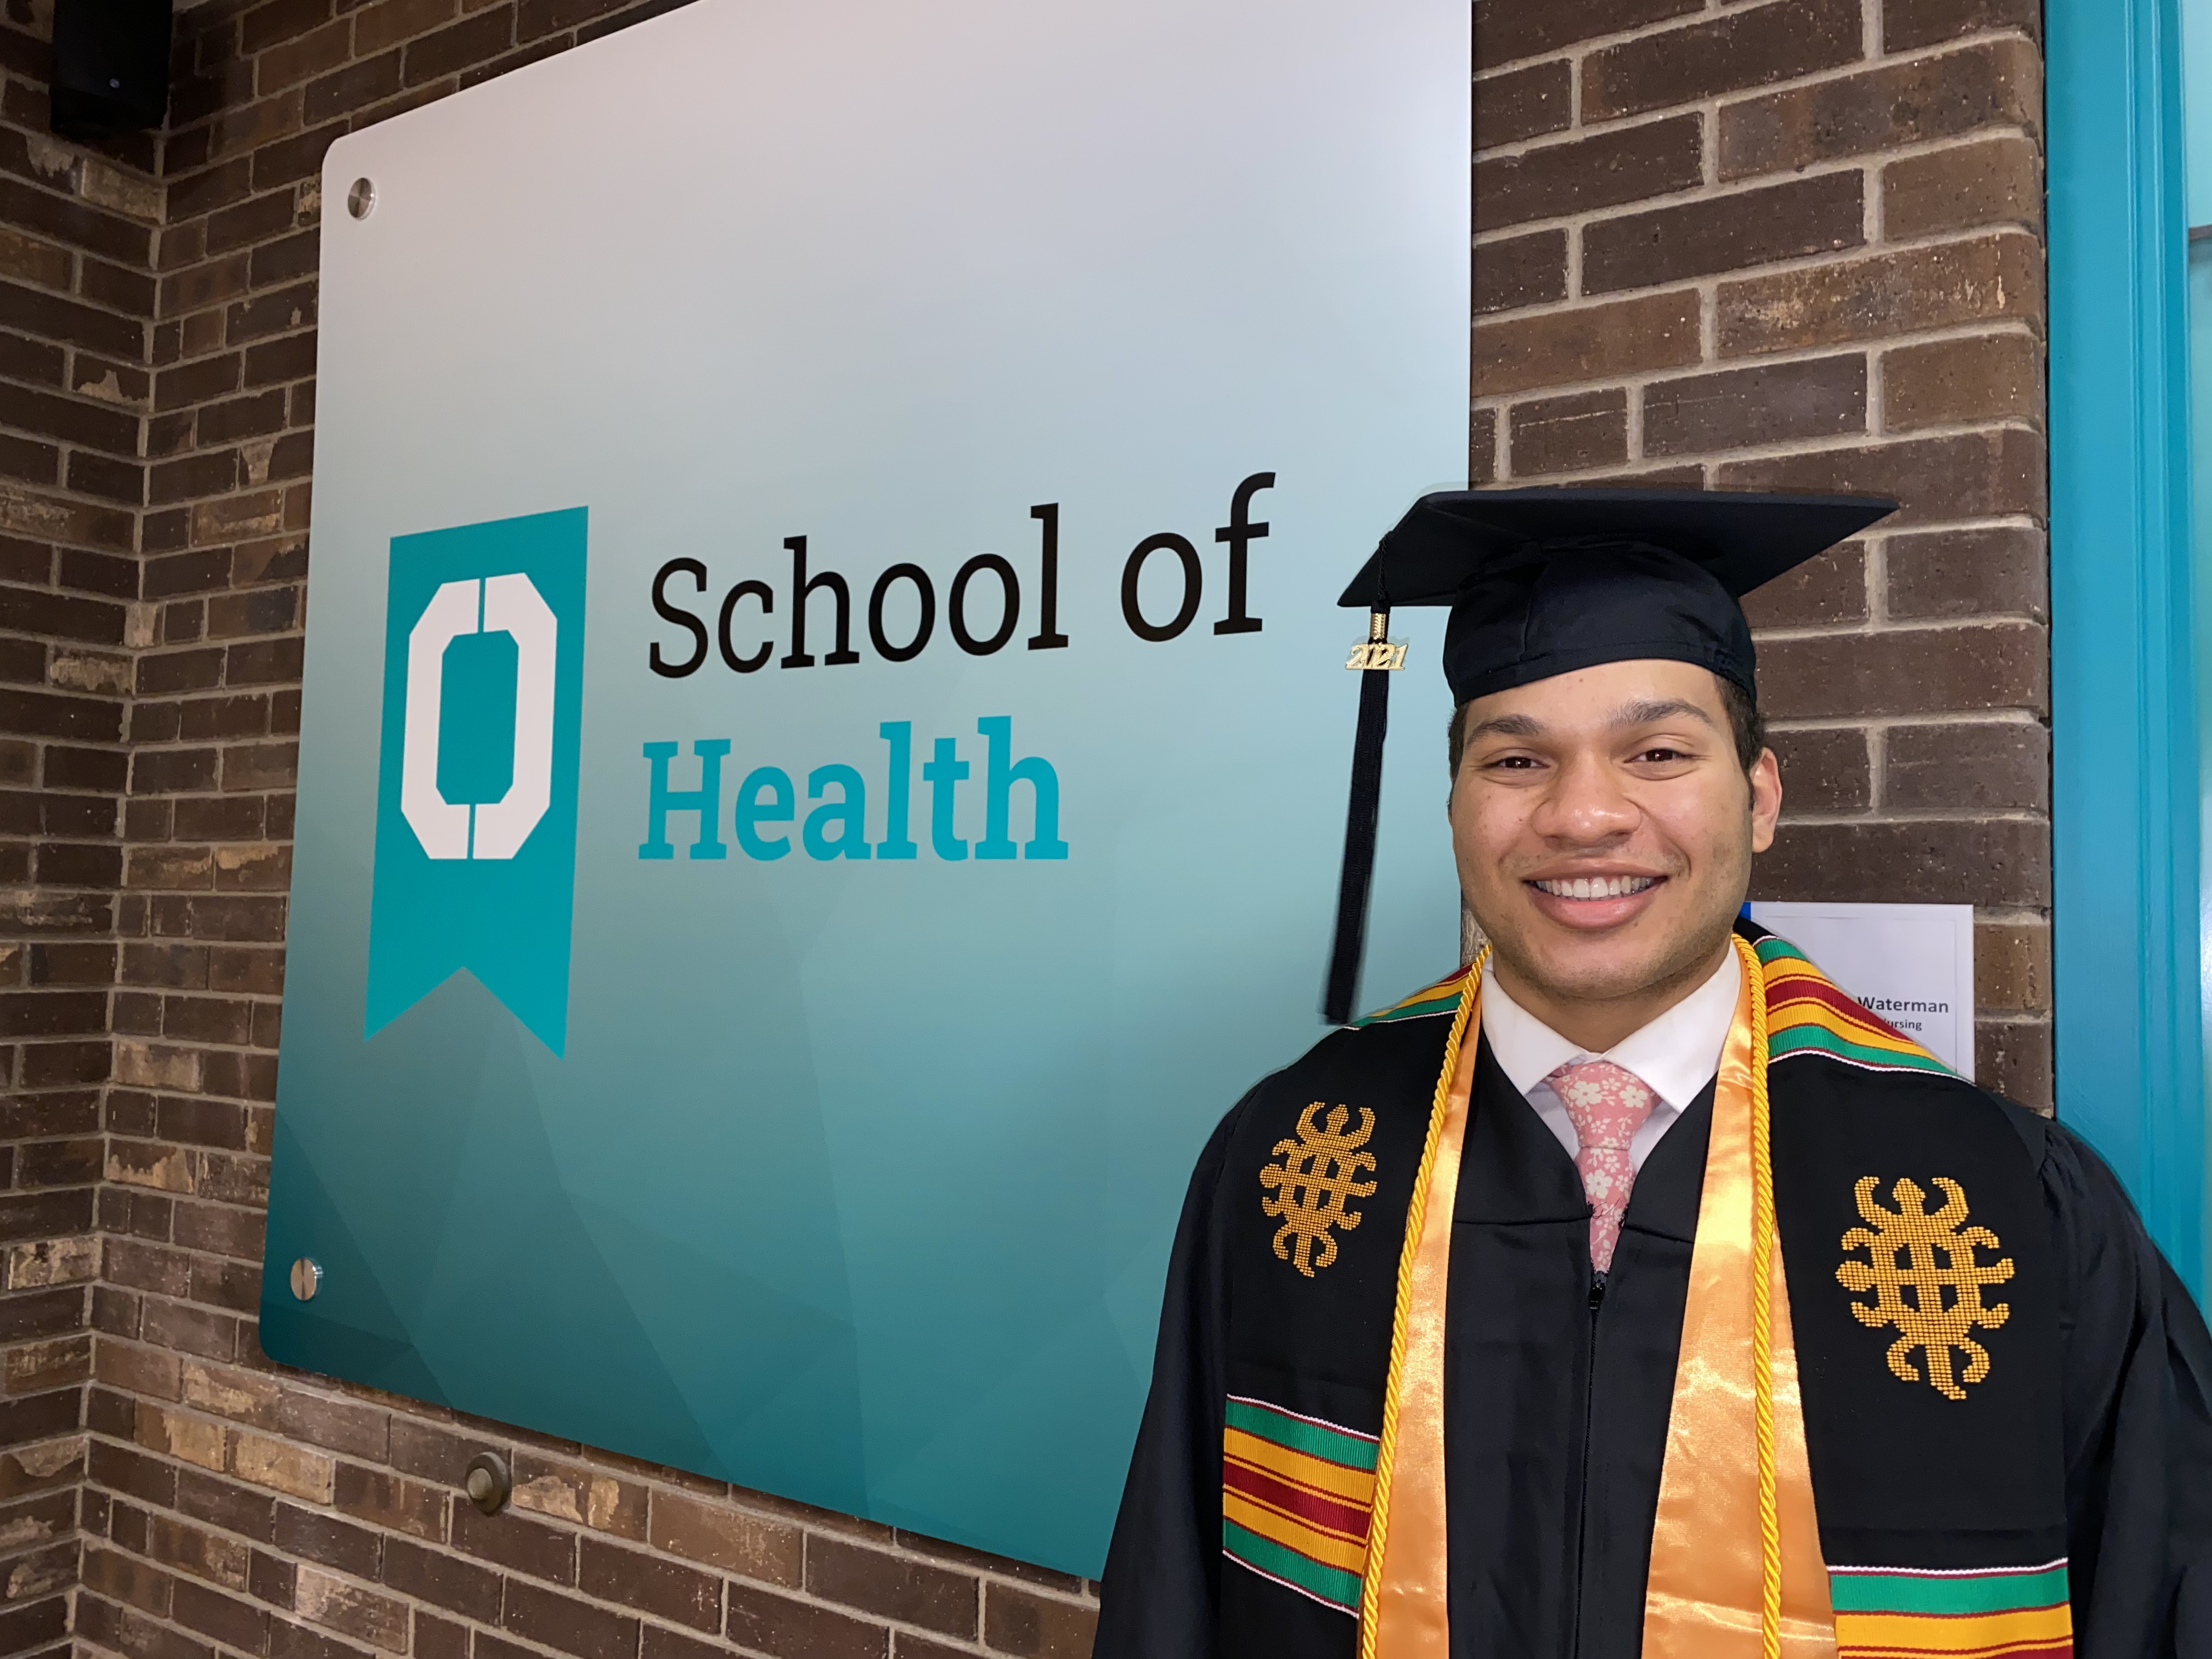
(111, 66)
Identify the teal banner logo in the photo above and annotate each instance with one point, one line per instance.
(475, 799)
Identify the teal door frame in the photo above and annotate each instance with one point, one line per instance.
(2124, 763)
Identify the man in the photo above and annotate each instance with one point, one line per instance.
(1634, 1290)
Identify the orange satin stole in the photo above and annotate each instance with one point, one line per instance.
(1736, 1571)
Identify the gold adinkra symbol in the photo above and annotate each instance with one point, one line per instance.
(1319, 1171)
(1933, 1257)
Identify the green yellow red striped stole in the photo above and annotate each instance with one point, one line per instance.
(1904, 1613)
(1296, 1494)
(1441, 998)
(1805, 1014)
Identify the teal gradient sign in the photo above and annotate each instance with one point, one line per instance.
(825, 730)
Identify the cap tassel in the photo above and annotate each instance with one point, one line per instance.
(1377, 660)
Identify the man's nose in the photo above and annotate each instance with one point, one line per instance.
(1585, 804)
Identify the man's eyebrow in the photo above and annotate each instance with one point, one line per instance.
(1506, 725)
(1652, 711)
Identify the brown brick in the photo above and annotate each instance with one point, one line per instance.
(326, 1539)
(1884, 294)
(560, 1621)
(469, 41)
(935, 1598)
(797, 1630)
(1523, 104)
(1907, 25)
(205, 1554)
(1984, 377)
(178, 1434)
(1824, 770)
(1697, 414)
(1507, 29)
(1575, 432)
(1521, 270)
(721, 1536)
(2000, 861)
(441, 1579)
(2012, 1058)
(661, 1643)
(1482, 447)
(2012, 968)
(1749, 46)
(1032, 1626)
(225, 1504)
(1990, 766)
(391, 1500)
(302, 56)
(514, 1542)
(1921, 100)
(388, 22)
(1963, 188)
(324, 1599)
(237, 1624)
(42, 1365)
(439, 1638)
(43, 1572)
(586, 1497)
(243, 1397)
(1969, 476)
(285, 1468)
(363, 82)
(135, 1582)
(1818, 214)
(1580, 175)
(1918, 670)
(35, 1520)
(341, 1425)
(1585, 343)
(651, 1584)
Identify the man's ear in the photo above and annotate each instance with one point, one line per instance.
(1765, 800)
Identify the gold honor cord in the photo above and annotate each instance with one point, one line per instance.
(1404, 1593)
(1762, 1308)
(1736, 1561)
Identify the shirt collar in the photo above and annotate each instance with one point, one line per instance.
(1676, 1054)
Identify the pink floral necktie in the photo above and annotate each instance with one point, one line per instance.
(1606, 1105)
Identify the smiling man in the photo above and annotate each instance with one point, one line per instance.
(1633, 1289)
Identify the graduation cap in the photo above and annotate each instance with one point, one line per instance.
(1546, 581)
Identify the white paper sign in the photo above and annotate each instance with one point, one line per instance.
(1913, 964)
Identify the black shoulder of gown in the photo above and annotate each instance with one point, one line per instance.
(2137, 1401)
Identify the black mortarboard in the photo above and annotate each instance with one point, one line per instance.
(1546, 581)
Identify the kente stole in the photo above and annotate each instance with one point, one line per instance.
(1745, 1563)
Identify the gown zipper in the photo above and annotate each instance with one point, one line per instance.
(1582, 1495)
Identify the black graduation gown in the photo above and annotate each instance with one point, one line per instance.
(1558, 1400)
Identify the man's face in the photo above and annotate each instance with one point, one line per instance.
(1605, 829)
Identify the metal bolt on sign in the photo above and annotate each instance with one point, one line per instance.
(307, 1277)
(361, 200)
(487, 1482)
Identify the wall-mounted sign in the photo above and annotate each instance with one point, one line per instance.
(825, 723)
(1913, 964)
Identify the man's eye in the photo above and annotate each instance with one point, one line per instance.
(1514, 762)
(1661, 755)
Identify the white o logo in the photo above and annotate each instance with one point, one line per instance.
(497, 605)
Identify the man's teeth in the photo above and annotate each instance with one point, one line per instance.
(1600, 887)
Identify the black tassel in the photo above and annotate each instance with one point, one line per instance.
(1359, 825)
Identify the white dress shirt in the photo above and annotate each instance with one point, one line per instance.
(1676, 1054)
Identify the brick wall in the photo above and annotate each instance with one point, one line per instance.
(1789, 242)
(1798, 244)
(77, 298)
